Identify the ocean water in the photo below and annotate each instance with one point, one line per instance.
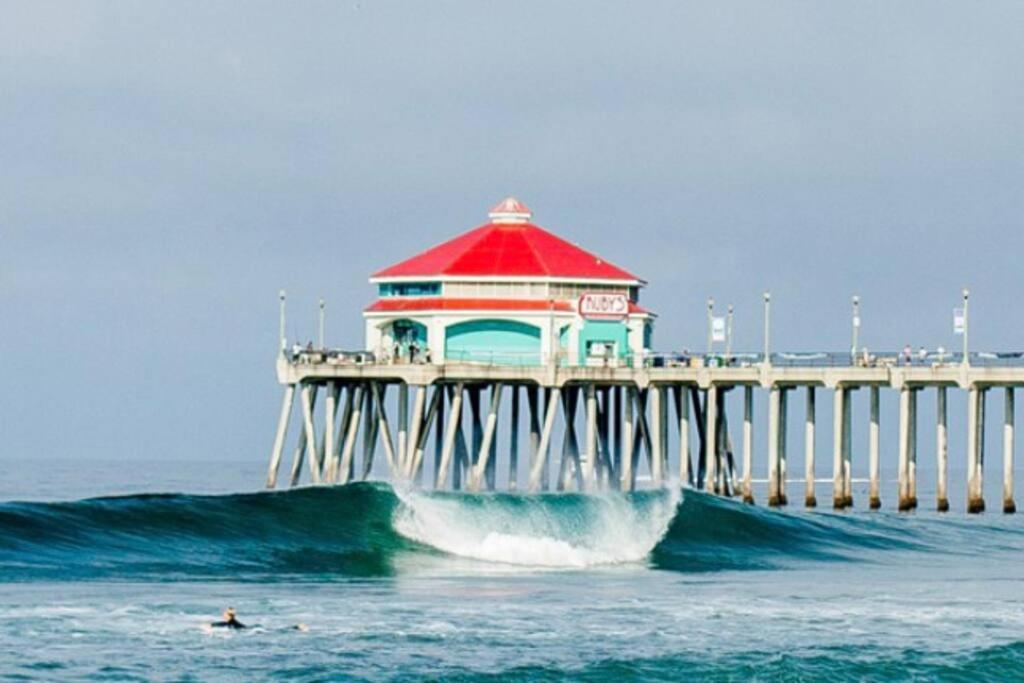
(406, 585)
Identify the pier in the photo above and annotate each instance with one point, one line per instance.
(479, 342)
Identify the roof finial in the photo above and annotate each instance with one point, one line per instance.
(510, 210)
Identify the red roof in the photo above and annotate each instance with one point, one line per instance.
(443, 304)
(508, 246)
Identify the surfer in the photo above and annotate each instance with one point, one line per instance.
(230, 620)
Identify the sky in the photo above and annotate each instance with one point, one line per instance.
(167, 167)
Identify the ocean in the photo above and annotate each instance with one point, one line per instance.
(111, 571)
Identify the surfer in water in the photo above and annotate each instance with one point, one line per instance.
(230, 620)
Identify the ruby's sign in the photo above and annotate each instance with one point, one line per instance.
(597, 306)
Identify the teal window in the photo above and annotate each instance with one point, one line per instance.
(410, 289)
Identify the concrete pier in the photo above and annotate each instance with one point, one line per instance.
(748, 444)
(809, 498)
(874, 437)
(975, 441)
(774, 401)
(838, 447)
(710, 439)
(783, 445)
(848, 448)
(613, 425)
(903, 470)
(941, 452)
(1009, 506)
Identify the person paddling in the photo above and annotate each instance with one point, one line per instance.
(230, 620)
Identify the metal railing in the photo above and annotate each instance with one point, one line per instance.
(667, 359)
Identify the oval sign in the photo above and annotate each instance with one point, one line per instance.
(600, 306)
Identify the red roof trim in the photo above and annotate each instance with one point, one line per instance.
(446, 304)
(508, 250)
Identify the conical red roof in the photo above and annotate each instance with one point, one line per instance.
(508, 246)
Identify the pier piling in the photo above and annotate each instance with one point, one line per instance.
(774, 402)
(1009, 506)
(838, 446)
(874, 498)
(810, 500)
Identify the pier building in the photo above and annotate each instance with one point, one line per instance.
(507, 293)
(509, 341)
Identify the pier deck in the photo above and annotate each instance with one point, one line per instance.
(615, 420)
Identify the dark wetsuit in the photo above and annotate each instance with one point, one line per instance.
(230, 623)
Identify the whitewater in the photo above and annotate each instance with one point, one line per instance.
(400, 584)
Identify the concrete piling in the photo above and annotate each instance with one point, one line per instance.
(810, 500)
(710, 441)
(941, 451)
(874, 498)
(975, 430)
(1009, 506)
(838, 445)
(748, 444)
(774, 400)
(848, 448)
(903, 469)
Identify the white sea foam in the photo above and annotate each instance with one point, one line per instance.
(539, 531)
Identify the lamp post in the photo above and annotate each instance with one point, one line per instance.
(711, 314)
(321, 340)
(966, 296)
(728, 335)
(767, 324)
(856, 325)
(281, 296)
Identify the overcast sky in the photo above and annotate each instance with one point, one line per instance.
(165, 168)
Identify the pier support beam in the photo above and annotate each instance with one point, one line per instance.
(330, 415)
(975, 446)
(711, 443)
(783, 445)
(403, 425)
(848, 449)
(941, 452)
(279, 436)
(1009, 506)
(874, 436)
(773, 446)
(407, 455)
(838, 444)
(513, 443)
(810, 500)
(912, 453)
(683, 414)
(541, 463)
(590, 455)
(348, 449)
(308, 399)
(483, 457)
(454, 424)
(657, 429)
(903, 473)
(748, 444)
(626, 464)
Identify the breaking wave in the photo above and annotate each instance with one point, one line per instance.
(370, 529)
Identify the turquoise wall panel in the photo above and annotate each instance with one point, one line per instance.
(604, 332)
(502, 342)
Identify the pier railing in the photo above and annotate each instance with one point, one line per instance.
(656, 359)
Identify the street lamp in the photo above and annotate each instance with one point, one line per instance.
(856, 325)
(711, 314)
(321, 344)
(281, 295)
(767, 324)
(728, 335)
(966, 295)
